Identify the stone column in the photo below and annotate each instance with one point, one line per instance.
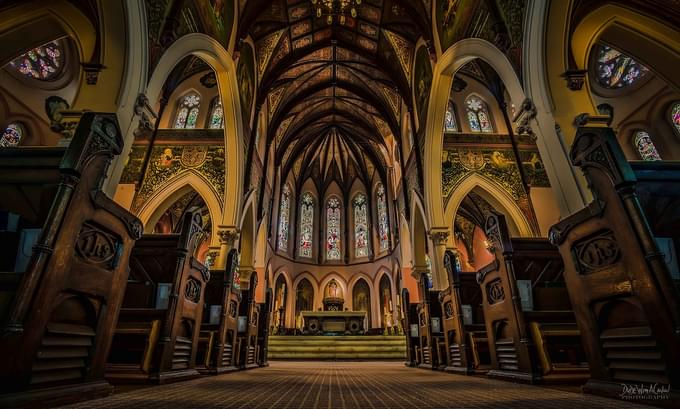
(439, 237)
(228, 236)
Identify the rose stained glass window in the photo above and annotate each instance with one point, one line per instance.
(478, 115)
(383, 221)
(617, 70)
(42, 63)
(333, 216)
(12, 135)
(306, 225)
(645, 146)
(360, 226)
(284, 219)
(187, 113)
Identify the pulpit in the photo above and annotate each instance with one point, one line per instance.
(334, 322)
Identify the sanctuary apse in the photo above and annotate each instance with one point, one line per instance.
(484, 188)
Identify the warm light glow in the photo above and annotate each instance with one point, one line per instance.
(333, 8)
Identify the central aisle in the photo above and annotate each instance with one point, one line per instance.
(348, 385)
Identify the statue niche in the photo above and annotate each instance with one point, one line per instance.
(333, 299)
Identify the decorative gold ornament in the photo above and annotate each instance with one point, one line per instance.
(336, 8)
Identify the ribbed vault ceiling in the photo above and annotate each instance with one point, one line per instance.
(333, 93)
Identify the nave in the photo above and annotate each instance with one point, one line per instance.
(349, 385)
(484, 190)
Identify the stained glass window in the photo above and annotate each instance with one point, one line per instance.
(478, 115)
(617, 70)
(12, 135)
(645, 146)
(284, 218)
(217, 115)
(360, 226)
(306, 225)
(333, 229)
(675, 116)
(450, 124)
(383, 220)
(42, 63)
(187, 113)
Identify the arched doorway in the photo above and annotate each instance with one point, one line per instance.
(304, 300)
(361, 299)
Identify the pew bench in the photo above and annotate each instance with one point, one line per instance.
(156, 336)
(409, 323)
(462, 322)
(618, 254)
(64, 266)
(431, 345)
(523, 289)
(216, 351)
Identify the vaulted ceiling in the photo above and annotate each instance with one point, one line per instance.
(333, 92)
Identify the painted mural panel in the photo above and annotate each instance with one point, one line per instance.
(170, 161)
(453, 18)
(212, 17)
(422, 82)
(245, 74)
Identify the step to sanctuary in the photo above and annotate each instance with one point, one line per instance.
(361, 347)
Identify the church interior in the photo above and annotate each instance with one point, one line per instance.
(339, 203)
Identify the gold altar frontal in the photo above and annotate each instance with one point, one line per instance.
(333, 322)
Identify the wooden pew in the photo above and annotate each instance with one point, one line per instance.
(263, 330)
(531, 328)
(217, 342)
(156, 336)
(624, 297)
(430, 341)
(467, 348)
(249, 313)
(58, 314)
(410, 325)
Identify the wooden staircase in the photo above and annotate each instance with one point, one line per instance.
(362, 347)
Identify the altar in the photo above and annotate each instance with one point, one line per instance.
(334, 322)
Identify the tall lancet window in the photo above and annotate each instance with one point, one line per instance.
(216, 114)
(450, 124)
(187, 112)
(284, 218)
(645, 146)
(383, 220)
(333, 214)
(306, 225)
(478, 115)
(360, 226)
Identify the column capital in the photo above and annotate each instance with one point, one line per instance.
(439, 235)
(228, 235)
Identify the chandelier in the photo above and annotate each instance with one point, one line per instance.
(339, 8)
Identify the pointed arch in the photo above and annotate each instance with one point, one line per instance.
(496, 196)
(315, 286)
(564, 184)
(222, 63)
(248, 229)
(290, 296)
(384, 273)
(172, 190)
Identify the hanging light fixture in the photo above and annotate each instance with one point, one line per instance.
(339, 8)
